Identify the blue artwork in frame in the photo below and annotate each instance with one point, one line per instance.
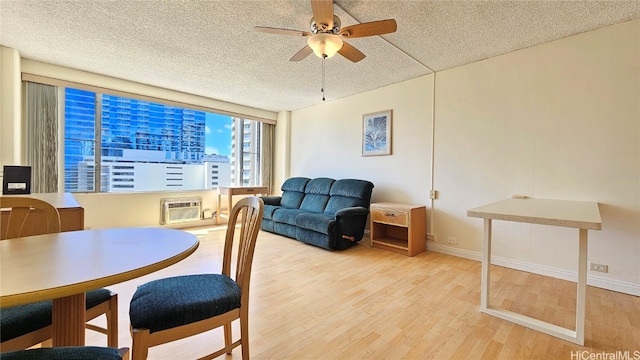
(376, 133)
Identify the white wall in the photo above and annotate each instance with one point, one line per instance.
(107, 210)
(281, 151)
(37, 70)
(556, 121)
(10, 107)
(560, 120)
(326, 141)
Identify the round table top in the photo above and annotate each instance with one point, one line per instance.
(51, 266)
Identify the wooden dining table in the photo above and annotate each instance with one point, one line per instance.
(63, 266)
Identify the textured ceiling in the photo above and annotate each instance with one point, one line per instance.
(209, 48)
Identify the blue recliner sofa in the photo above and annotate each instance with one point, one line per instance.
(324, 212)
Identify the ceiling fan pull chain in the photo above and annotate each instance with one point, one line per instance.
(322, 88)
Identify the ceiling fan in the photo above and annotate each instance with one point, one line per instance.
(325, 37)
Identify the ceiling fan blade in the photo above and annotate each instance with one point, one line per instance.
(279, 31)
(351, 52)
(379, 27)
(303, 53)
(323, 12)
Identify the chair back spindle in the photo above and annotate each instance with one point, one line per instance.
(249, 210)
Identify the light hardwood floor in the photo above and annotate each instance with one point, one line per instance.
(364, 303)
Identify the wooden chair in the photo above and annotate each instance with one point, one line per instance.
(174, 308)
(26, 325)
(24, 209)
(69, 353)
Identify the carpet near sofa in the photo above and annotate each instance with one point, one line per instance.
(324, 212)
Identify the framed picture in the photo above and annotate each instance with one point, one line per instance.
(376, 133)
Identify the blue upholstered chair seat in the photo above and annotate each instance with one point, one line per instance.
(64, 353)
(14, 323)
(171, 302)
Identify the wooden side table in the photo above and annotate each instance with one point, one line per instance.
(400, 228)
(229, 191)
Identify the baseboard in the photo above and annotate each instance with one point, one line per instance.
(593, 280)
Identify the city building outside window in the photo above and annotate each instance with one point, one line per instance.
(137, 145)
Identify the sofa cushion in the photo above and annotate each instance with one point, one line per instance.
(322, 223)
(316, 195)
(295, 184)
(314, 203)
(285, 229)
(349, 193)
(315, 238)
(320, 186)
(293, 192)
(267, 225)
(352, 188)
(268, 211)
(292, 199)
(287, 216)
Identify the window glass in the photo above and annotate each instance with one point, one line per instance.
(79, 140)
(146, 146)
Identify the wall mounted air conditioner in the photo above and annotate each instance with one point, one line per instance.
(180, 210)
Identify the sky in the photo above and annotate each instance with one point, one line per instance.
(217, 134)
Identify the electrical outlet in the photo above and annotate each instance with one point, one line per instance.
(452, 240)
(599, 267)
(431, 237)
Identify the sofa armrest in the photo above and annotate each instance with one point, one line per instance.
(352, 221)
(271, 200)
(352, 211)
(351, 224)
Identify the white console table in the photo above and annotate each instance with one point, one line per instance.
(583, 215)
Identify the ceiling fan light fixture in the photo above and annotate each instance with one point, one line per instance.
(325, 45)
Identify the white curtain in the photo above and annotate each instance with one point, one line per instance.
(42, 136)
(266, 154)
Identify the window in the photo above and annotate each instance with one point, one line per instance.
(136, 145)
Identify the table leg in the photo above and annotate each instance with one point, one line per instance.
(576, 336)
(581, 287)
(486, 265)
(69, 320)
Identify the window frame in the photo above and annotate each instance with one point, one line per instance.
(61, 84)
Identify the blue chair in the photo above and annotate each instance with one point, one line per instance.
(174, 308)
(68, 353)
(24, 326)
